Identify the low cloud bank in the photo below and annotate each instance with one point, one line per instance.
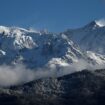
(19, 74)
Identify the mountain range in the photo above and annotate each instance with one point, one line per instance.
(64, 52)
(39, 49)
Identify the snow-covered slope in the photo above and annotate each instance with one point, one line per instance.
(39, 49)
(100, 59)
(90, 37)
(36, 49)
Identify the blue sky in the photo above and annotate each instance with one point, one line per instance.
(54, 15)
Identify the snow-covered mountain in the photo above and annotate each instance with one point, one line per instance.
(90, 37)
(40, 48)
(36, 49)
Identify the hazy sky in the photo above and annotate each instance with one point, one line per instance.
(54, 15)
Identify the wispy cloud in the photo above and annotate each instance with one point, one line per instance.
(19, 74)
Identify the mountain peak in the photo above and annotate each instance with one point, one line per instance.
(97, 23)
(92, 25)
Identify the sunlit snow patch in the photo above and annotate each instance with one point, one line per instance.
(100, 22)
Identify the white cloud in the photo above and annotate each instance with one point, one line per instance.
(19, 74)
